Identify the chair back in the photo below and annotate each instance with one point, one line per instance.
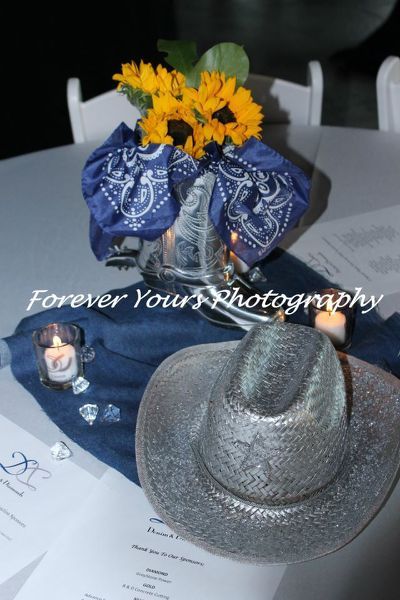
(97, 118)
(288, 102)
(388, 94)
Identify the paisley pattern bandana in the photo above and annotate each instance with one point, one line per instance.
(258, 196)
(130, 190)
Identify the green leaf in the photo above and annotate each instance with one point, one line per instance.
(142, 100)
(179, 54)
(199, 117)
(227, 57)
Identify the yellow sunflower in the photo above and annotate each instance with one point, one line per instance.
(152, 81)
(170, 121)
(226, 113)
(172, 82)
(142, 77)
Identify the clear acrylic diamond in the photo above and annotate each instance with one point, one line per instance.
(111, 414)
(60, 451)
(89, 412)
(255, 275)
(87, 354)
(79, 385)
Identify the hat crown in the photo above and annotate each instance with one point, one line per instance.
(276, 423)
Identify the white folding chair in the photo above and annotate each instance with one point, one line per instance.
(388, 94)
(97, 118)
(288, 102)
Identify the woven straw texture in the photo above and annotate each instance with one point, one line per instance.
(277, 420)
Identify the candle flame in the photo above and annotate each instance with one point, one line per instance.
(234, 237)
(57, 341)
(329, 305)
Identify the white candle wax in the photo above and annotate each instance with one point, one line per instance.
(240, 265)
(333, 324)
(61, 361)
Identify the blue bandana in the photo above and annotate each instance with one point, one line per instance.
(257, 197)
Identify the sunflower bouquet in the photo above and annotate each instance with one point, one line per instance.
(189, 107)
(198, 135)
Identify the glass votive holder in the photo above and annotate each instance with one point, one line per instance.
(58, 354)
(332, 312)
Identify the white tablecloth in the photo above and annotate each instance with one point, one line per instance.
(44, 245)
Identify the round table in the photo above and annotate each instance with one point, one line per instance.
(44, 220)
(44, 245)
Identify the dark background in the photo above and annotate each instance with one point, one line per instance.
(43, 47)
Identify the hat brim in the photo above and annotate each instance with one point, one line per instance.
(195, 506)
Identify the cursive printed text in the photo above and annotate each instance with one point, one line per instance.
(227, 297)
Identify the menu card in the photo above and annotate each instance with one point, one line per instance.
(118, 549)
(359, 251)
(38, 496)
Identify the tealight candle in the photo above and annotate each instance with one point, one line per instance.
(239, 264)
(333, 324)
(61, 361)
(332, 312)
(58, 354)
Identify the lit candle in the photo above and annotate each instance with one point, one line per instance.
(61, 361)
(239, 264)
(332, 323)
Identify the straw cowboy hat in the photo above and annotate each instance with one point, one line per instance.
(271, 450)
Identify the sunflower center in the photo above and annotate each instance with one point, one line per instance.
(224, 115)
(179, 131)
